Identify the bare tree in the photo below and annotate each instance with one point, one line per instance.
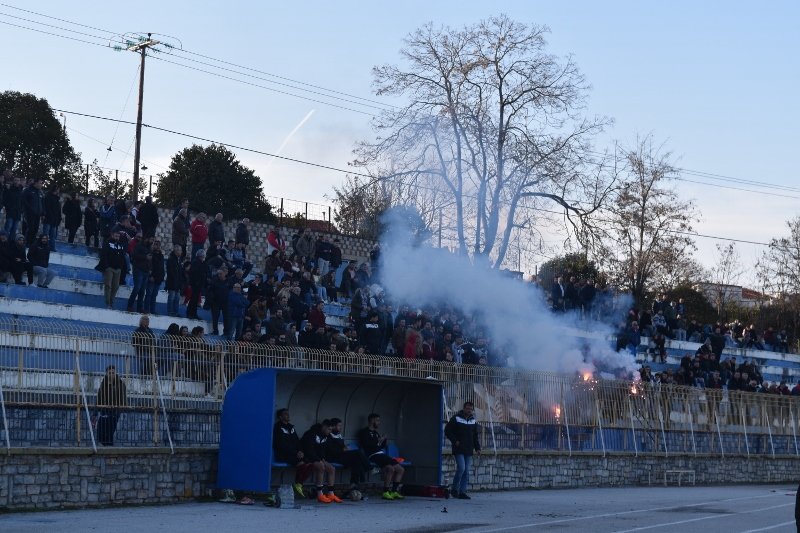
(724, 277)
(778, 271)
(493, 134)
(647, 245)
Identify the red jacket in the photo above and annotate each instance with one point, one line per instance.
(199, 232)
(317, 318)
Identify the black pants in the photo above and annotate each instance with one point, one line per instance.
(358, 464)
(71, 234)
(107, 426)
(17, 268)
(216, 308)
(92, 235)
(32, 228)
(191, 309)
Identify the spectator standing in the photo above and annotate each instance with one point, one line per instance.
(237, 307)
(108, 217)
(12, 202)
(144, 345)
(199, 232)
(558, 293)
(587, 295)
(462, 432)
(305, 247)
(157, 274)
(91, 230)
(275, 242)
(52, 215)
(180, 231)
(148, 217)
(39, 258)
(111, 396)
(324, 254)
(198, 275)
(113, 265)
(33, 208)
(216, 230)
(183, 205)
(176, 279)
(243, 232)
(218, 293)
(73, 216)
(142, 263)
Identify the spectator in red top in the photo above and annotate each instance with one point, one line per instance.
(199, 232)
(275, 242)
(317, 316)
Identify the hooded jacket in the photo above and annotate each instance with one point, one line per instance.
(463, 429)
(285, 443)
(314, 444)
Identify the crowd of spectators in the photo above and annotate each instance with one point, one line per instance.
(665, 320)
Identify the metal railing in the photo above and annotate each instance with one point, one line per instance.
(50, 376)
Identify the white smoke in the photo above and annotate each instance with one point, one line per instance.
(513, 314)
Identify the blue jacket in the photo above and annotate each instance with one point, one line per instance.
(237, 304)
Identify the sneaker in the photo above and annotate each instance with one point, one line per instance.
(463, 496)
(397, 496)
(229, 497)
(323, 498)
(334, 498)
(387, 495)
(298, 489)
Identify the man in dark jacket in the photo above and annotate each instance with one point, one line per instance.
(111, 395)
(73, 216)
(315, 450)
(243, 232)
(587, 296)
(375, 447)
(198, 274)
(142, 263)
(218, 293)
(355, 460)
(176, 279)
(52, 215)
(113, 265)
(18, 261)
(12, 201)
(286, 446)
(33, 208)
(157, 274)
(462, 432)
(148, 217)
(39, 258)
(216, 231)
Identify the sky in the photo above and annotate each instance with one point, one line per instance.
(715, 81)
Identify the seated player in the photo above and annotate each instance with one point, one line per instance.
(286, 445)
(315, 449)
(355, 460)
(374, 446)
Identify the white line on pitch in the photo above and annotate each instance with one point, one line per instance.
(665, 524)
(606, 515)
(770, 527)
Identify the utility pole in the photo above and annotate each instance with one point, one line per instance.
(140, 47)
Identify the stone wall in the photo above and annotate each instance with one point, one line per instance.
(546, 470)
(49, 478)
(73, 478)
(352, 247)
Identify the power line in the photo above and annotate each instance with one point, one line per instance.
(736, 188)
(350, 172)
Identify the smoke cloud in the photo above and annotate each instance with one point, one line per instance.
(513, 314)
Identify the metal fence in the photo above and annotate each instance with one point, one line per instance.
(51, 383)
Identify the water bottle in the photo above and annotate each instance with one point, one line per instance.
(286, 496)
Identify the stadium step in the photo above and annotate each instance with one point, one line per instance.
(32, 308)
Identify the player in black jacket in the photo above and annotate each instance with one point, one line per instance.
(462, 432)
(374, 446)
(355, 460)
(315, 447)
(286, 445)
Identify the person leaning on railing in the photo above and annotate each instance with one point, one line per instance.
(111, 396)
(144, 341)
